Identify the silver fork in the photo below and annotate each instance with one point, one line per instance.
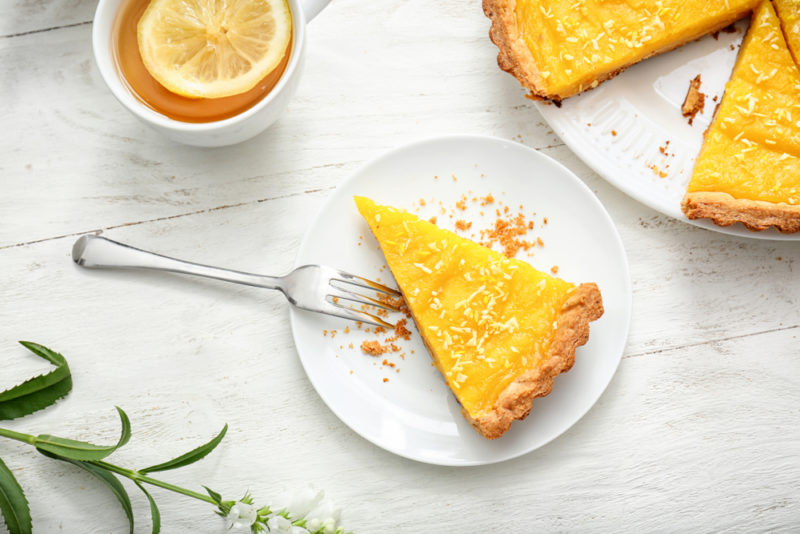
(316, 288)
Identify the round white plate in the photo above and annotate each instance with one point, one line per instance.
(414, 414)
(643, 106)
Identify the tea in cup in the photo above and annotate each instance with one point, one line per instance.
(201, 77)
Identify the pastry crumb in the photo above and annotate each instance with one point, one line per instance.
(658, 172)
(695, 101)
(373, 348)
(401, 331)
(508, 234)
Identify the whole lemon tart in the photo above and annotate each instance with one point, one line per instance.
(559, 48)
(498, 330)
(748, 169)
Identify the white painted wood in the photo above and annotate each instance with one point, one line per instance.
(28, 16)
(127, 173)
(697, 431)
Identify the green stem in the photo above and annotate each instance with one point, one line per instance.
(129, 473)
(139, 477)
(19, 436)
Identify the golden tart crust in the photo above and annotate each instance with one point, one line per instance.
(514, 403)
(497, 329)
(757, 215)
(515, 56)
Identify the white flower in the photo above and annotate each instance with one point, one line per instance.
(319, 513)
(242, 515)
(282, 525)
(325, 515)
(299, 504)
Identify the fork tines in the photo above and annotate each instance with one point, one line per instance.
(339, 292)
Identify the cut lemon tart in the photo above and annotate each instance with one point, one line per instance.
(497, 329)
(748, 169)
(558, 48)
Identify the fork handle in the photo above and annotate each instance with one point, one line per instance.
(95, 252)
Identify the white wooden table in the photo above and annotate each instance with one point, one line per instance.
(698, 431)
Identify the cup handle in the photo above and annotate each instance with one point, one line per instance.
(311, 8)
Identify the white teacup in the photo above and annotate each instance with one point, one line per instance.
(218, 133)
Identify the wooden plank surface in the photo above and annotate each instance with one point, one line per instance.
(697, 431)
(23, 17)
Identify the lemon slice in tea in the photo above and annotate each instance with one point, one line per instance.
(213, 48)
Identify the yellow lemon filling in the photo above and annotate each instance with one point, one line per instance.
(789, 15)
(575, 44)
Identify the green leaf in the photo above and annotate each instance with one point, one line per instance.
(214, 495)
(13, 504)
(107, 478)
(154, 513)
(40, 391)
(81, 450)
(190, 457)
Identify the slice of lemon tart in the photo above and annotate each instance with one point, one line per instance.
(497, 329)
(558, 48)
(748, 169)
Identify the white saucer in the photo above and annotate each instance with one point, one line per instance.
(413, 414)
(643, 107)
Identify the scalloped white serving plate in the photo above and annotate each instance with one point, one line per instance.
(414, 414)
(643, 106)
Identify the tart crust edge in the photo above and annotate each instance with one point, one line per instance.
(756, 215)
(513, 55)
(582, 307)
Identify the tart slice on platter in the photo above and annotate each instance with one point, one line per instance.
(748, 169)
(559, 48)
(498, 330)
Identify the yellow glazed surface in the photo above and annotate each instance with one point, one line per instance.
(752, 149)
(575, 43)
(485, 318)
(789, 15)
